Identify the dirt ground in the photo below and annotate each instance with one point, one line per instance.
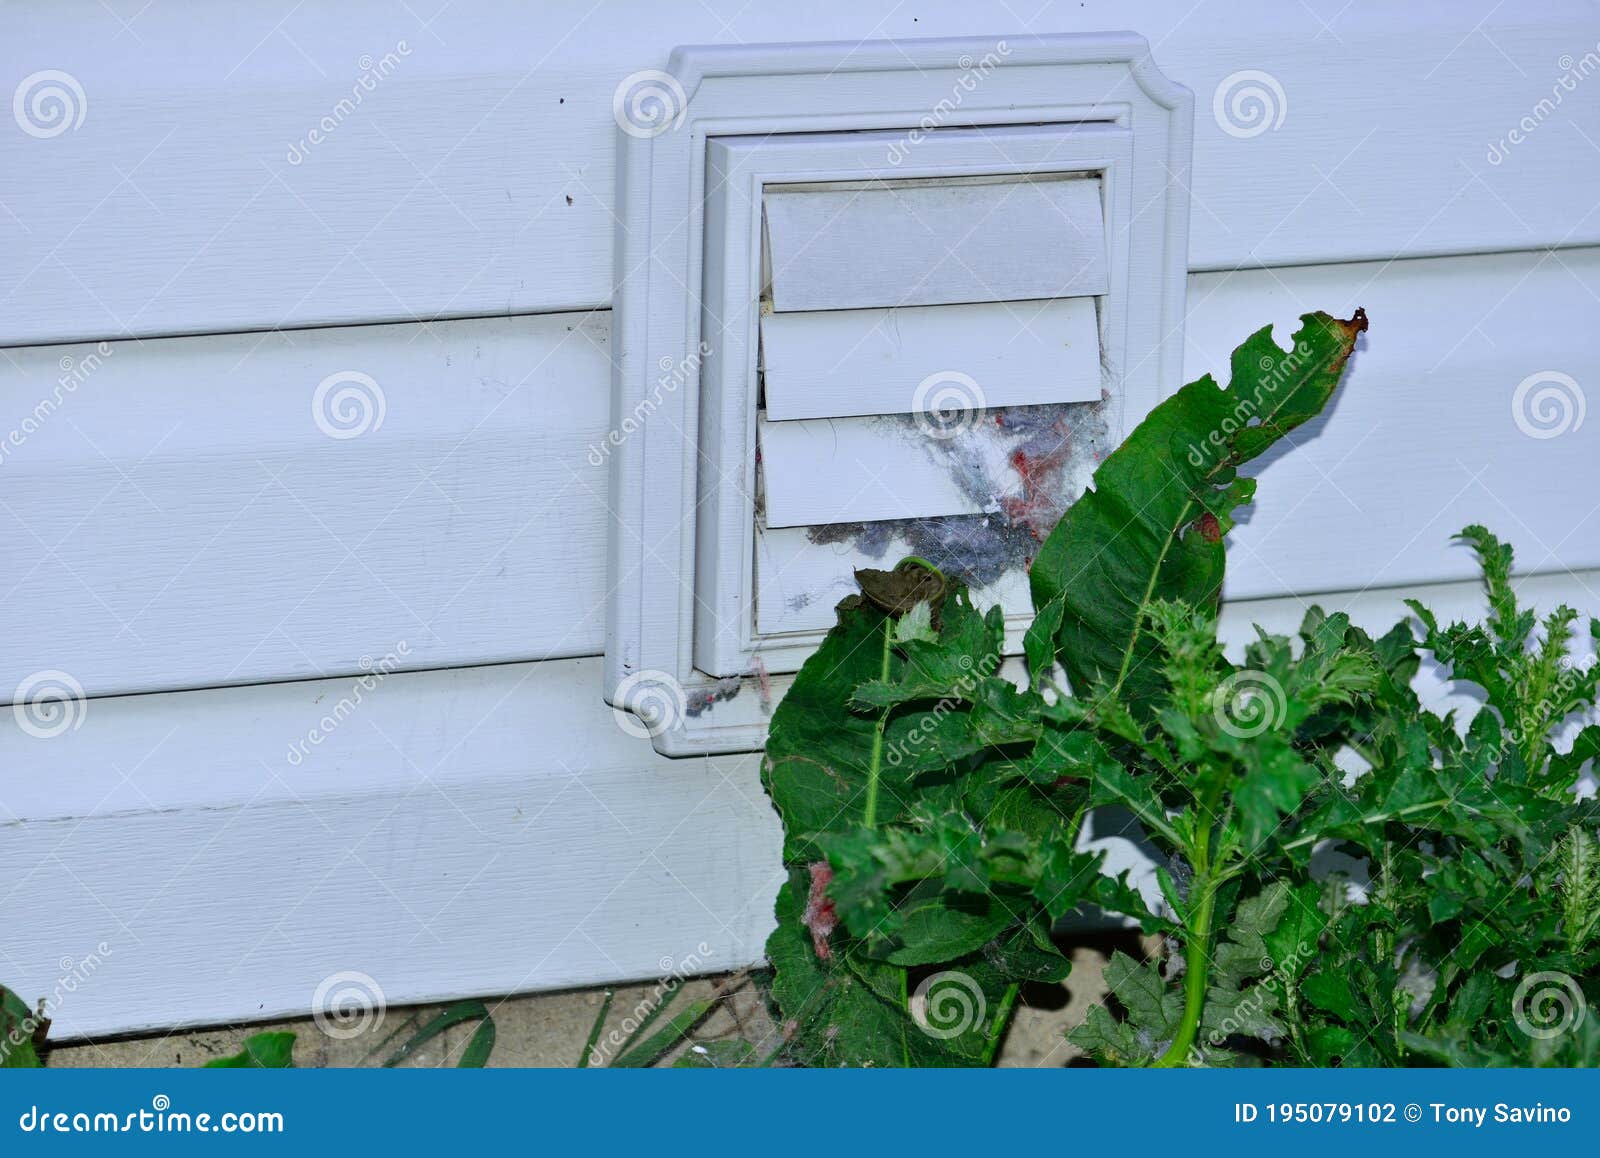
(550, 1029)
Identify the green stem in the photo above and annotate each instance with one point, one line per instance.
(869, 815)
(998, 1025)
(1196, 973)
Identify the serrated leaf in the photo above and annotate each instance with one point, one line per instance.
(1152, 526)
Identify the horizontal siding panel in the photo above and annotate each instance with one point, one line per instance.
(198, 568)
(1429, 432)
(446, 875)
(184, 515)
(476, 175)
(427, 840)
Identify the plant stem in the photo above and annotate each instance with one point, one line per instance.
(1001, 1018)
(1196, 972)
(869, 815)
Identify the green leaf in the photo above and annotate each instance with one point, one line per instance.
(1039, 641)
(595, 1029)
(1152, 526)
(1153, 1008)
(462, 1011)
(677, 1028)
(832, 1016)
(1292, 943)
(479, 1046)
(820, 767)
(21, 1034)
(271, 1051)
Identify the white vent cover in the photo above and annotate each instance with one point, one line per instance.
(867, 330)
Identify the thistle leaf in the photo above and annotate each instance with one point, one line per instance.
(1153, 525)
